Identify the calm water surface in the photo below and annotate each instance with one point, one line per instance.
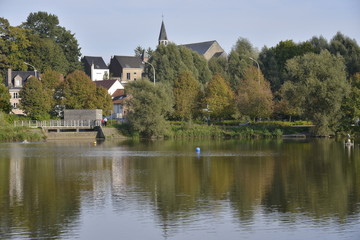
(278, 189)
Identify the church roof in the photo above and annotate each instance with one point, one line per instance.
(97, 61)
(162, 35)
(201, 47)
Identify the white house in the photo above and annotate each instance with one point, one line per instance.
(95, 68)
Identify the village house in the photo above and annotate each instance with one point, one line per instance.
(126, 68)
(15, 80)
(95, 68)
(117, 93)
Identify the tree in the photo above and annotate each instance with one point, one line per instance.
(349, 49)
(5, 105)
(239, 60)
(79, 92)
(149, 106)
(186, 91)
(220, 98)
(14, 42)
(320, 83)
(169, 61)
(103, 100)
(36, 101)
(254, 96)
(46, 26)
(273, 60)
(351, 104)
(47, 55)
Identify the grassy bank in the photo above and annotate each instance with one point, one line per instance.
(19, 134)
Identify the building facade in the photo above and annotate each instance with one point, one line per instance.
(126, 68)
(95, 68)
(15, 81)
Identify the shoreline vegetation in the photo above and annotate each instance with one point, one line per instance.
(184, 130)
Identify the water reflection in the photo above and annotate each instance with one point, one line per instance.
(55, 190)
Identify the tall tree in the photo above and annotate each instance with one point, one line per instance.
(149, 106)
(5, 105)
(254, 96)
(320, 82)
(220, 98)
(349, 49)
(47, 26)
(239, 60)
(36, 101)
(186, 91)
(169, 61)
(14, 42)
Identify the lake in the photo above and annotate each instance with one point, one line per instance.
(232, 189)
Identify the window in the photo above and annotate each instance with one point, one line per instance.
(16, 95)
(128, 76)
(15, 105)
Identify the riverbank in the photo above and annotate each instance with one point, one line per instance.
(20, 134)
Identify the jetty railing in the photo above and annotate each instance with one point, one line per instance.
(57, 123)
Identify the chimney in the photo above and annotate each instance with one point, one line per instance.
(9, 78)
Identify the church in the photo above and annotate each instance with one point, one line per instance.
(208, 49)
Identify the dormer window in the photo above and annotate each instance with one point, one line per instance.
(17, 81)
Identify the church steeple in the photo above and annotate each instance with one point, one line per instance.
(163, 36)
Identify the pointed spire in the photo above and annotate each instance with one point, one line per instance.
(163, 36)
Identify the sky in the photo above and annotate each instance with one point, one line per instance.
(116, 27)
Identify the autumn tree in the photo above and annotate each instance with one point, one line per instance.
(320, 83)
(149, 106)
(36, 101)
(79, 92)
(254, 96)
(5, 105)
(186, 91)
(220, 98)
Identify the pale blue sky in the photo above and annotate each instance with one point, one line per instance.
(116, 27)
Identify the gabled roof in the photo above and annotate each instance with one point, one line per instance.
(118, 92)
(162, 35)
(97, 61)
(201, 47)
(105, 83)
(129, 62)
(23, 74)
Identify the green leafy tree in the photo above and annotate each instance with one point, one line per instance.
(186, 92)
(254, 96)
(349, 49)
(273, 60)
(239, 60)
(351, 104)
(320, 83)
(46, 26)
(47, 55)
(220, 98)
(169, 61)
(52, 80)
(283, 106)
(5, 105)
(149, 106)
(14, 42)
(36, 101)
(79, 92)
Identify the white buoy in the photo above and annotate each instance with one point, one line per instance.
(197, 150)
